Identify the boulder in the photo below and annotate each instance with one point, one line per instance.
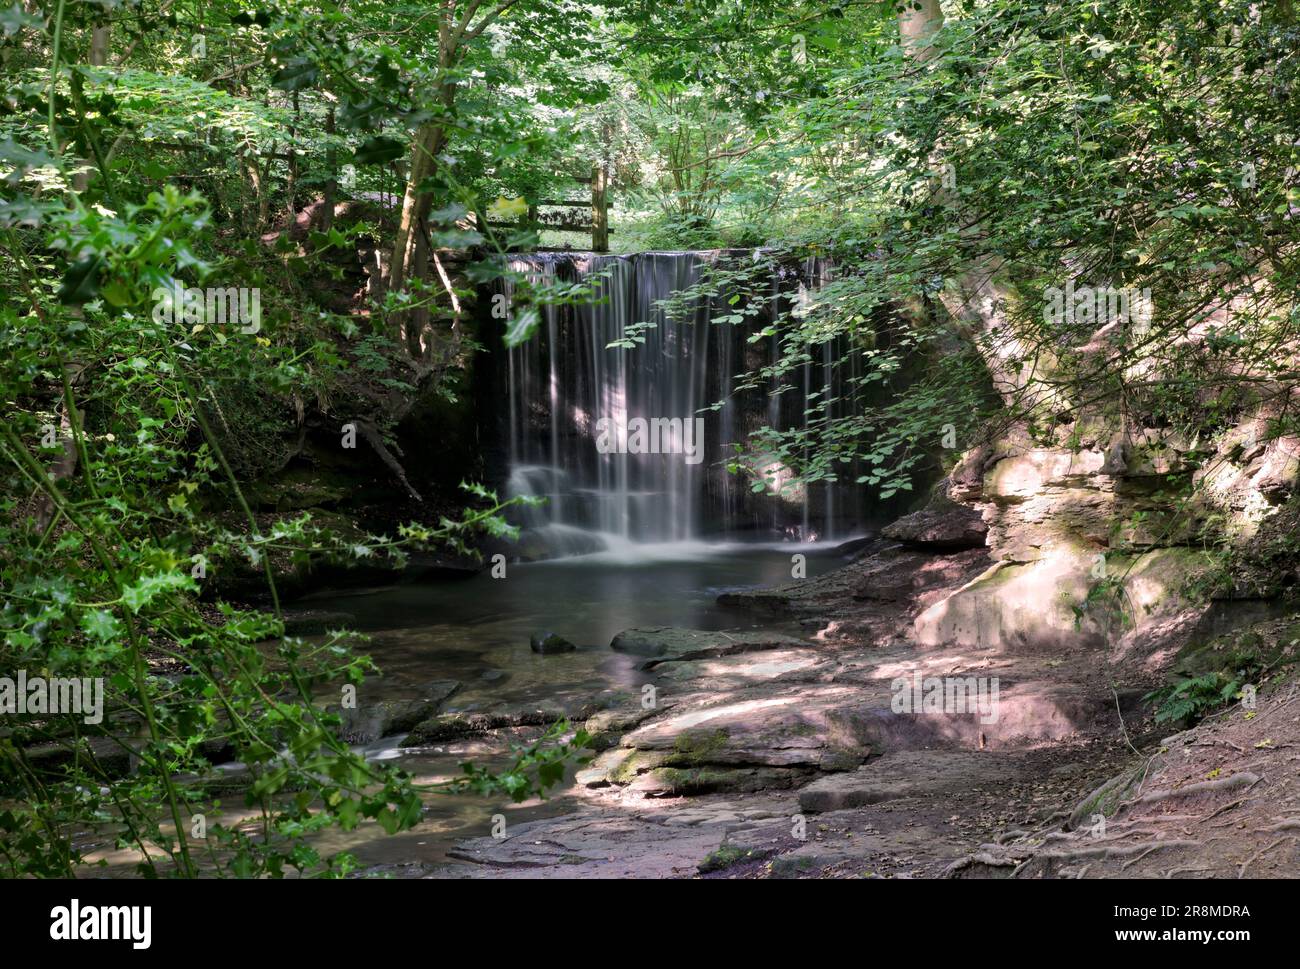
(811, 726)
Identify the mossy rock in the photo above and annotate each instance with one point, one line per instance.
(635, 763)
(608, 726)
(727, 856)
(693, 748)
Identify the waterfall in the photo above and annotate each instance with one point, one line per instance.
(567, 386)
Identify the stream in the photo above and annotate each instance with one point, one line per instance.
(477, 631)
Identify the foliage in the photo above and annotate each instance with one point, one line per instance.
(1035, 146)
(938, 197)
(547, 758)
(122, 494)
(1188, 700)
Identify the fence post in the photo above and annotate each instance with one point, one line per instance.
(599, 210)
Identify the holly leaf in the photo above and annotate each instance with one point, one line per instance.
(144, 591)
(521, 326)
(101, 624)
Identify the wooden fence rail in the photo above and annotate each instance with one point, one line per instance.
(598, 205)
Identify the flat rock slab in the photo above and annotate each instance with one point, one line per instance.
(726, 673)
(604, 845)
(795, 726)
(836, 726)
(453, 726)
(909, 773)
(665, 644)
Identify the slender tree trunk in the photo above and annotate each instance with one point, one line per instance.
(291, 177)
(65, 466)
(101, 36)
(599, 209)
(428, 141)
(410, 253)
(331, 183)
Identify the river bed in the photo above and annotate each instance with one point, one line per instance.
(477, 631)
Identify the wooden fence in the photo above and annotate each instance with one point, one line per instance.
(565, 221)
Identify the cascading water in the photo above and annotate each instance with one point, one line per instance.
(567, 387)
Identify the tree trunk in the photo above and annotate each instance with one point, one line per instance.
(918, 22)
(410, 258)
(331, 183)
(101, 36)
(599, 209)
(291, 176)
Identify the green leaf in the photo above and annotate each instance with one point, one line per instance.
(16, 18)
(144, 591)
(522, 325)
(101, 624)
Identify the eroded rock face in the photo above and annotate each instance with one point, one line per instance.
(1115, 489)
(1050, 603)
(1096, 533)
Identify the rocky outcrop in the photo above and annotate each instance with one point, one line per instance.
(718, 719)
(1051, 603)
(943, 525)
(1097, 535)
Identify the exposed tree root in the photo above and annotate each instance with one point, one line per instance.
(376, 441)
